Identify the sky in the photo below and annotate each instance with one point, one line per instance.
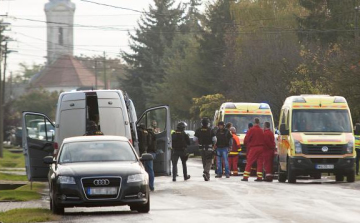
(30, 37)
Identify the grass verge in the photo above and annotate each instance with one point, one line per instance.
(12, 177)
(23, 193)
(12, 160)
(27, 215)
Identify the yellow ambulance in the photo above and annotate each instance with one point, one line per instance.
(316, 136)
(240, 115)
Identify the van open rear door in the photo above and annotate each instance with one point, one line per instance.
(38, 139)
(158, 119)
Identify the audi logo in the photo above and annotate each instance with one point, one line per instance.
(101, 182)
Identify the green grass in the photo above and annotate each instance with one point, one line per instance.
(12, 160)
(11, 177)
(23, 193)
(27, 215)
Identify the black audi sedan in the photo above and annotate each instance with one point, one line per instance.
(93, 171)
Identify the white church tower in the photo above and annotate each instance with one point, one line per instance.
(60, 28)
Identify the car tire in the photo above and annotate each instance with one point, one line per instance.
(55, 208)
(281, 175)
(144, 208)
(350, 178)
(290, 175)
(339, 178)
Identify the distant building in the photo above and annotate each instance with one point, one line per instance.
(62, 71)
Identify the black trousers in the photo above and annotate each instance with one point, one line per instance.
(207, 156)
(357, 160)
(175, 158)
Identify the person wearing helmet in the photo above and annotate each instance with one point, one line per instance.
(180, 141)
(206, 139)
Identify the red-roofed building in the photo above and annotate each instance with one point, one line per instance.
(66, 74)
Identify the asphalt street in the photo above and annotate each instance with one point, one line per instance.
(230, 200)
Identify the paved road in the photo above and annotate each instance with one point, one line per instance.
(227, 200)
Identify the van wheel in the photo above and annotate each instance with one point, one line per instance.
(339, 178)
(351, 177)
(282, 175)
(290, 175)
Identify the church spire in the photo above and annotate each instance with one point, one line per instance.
(60, 28)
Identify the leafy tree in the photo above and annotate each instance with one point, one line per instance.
(205, 106)
(28, 71)
(328, 21)
(156, 31)
(38, 100)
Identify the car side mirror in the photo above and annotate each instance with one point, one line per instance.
(146, 157)
(49, 160)
(283, 130)
(357, 129)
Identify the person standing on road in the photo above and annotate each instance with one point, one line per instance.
(206, 139)
(149, 165)
(223, 144)
(234, 153)
(269, 150)
(180, 141)
(254, 141)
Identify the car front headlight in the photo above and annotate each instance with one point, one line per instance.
(66, 180)
(137, 178)
(298, 148)
(350, 147)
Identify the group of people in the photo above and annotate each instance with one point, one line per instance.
(225, 145)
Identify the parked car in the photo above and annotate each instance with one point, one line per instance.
(193, 148)
(95, 171)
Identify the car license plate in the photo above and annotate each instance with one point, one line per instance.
(102, 191)
(324, 167)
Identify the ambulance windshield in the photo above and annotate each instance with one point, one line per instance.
(323, 120)
(240, 122)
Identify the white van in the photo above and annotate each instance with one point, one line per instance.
(112, 111)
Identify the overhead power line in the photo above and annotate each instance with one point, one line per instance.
(112, 6)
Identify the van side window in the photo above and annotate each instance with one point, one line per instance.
(287, 112)
(155, 120)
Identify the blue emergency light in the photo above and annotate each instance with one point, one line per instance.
(264, 106)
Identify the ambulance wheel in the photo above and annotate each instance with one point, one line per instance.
(291, 175)
(350, 178)
(282, 175)
(339, 178)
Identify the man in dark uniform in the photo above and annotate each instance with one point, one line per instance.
(206, 139)
(143, 138)
(180, 141)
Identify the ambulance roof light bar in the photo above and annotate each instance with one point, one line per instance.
(299, 99)
(339, 100)
(230, 105)
(264, 106)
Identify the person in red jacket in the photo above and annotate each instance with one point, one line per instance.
(234, 152)
(268, 154)
(254, 140)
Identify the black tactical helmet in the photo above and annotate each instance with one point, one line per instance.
(205, 121)
(181, 126)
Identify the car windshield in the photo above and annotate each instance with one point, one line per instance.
(96, 151)
(323, 120)
(241, 122)
(48, 127)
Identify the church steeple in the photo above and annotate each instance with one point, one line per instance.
(60, 28)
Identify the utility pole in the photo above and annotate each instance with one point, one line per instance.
(95, 67)
(1, 97)
(105, 78)
(356, 28)
(11, 83)
(4, 74)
